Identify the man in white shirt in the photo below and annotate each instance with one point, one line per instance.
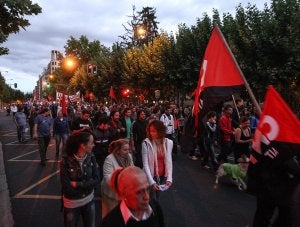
(168, 120)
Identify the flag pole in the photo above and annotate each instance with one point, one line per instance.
(253, 99)
(235, 106)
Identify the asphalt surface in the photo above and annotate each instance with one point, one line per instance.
(193, 200)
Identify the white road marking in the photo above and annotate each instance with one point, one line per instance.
(21, 193)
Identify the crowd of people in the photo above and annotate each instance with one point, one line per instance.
(128, 150)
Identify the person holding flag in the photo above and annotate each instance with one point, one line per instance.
(274, 171)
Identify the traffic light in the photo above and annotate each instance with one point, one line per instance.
(94, 70)
(15, 85)
(90, 69)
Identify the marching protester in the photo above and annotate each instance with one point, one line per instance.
(168, 120)
(61, 131)
(8, 110)
(138, 134)
(157, 158)
(102, 138)
(20, 121)
(82, 123)
(127, 121)
(42, 126)
(14, 109)
(79, 176)
(34, 111)
(136, 208)
(226, 133)
(254, 118)
(243, 139)
(210, 140)
(117, 128)
(119, 157)
(237, 112)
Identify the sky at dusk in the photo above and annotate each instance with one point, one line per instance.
(98, 20)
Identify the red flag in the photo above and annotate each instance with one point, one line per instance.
(112, 93)
(63, 105)
(86, 95)
(277, 136)
(219, 75)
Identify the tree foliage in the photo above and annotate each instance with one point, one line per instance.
(266, 44)
(142, 28)
(12, 14)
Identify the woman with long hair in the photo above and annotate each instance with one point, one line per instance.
(119, 157)
(157, 158)
(243, 139)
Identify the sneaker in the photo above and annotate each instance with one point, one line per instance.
(193, 157)
(206, 167)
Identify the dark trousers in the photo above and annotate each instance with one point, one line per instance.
(31, 124)
(225, 151)
(87, 212)
(156, 194)
(283, 212)
(21, 133)
(210, 153)
(100, 158)
(138, 160)
(43, 143)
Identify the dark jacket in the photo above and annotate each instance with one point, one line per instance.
(102, 139)
(87, 179)
(139, 132)
(114, 127)
(61, 127)
(115, 218)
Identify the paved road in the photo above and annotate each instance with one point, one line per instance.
(193, 200)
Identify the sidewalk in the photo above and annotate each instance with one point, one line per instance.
(6, 218)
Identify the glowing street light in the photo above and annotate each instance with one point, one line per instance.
(70, 63)
(141, 31)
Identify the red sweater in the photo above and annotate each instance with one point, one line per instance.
(225, 127)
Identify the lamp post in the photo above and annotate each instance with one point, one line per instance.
(141, 34)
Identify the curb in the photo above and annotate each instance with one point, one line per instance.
(6, 217)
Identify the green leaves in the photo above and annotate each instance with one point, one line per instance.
(12, 14)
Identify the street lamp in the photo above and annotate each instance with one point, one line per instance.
(141, 31)
(141, 34)
(69, 63)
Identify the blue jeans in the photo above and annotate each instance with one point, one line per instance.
(58, 139)
(72, 215)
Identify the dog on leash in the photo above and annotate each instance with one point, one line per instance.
(237, 172)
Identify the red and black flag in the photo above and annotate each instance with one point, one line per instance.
(275, 146)
(219, 77)
(277, 136)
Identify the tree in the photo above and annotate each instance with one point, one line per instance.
(267, 45)
(143, 28)
(12, 15)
